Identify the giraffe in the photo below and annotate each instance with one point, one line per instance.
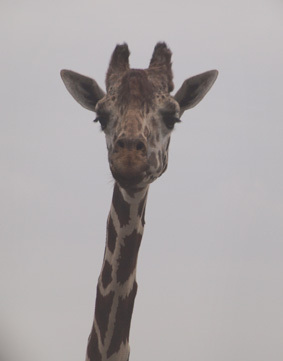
(137, 115)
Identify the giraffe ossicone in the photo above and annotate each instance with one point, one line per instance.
(137, 113)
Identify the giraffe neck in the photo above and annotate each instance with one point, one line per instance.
(117, 286)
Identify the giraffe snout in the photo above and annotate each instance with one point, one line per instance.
(128, 161)
(135, 145)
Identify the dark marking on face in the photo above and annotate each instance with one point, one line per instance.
(111, 235)
(128, 256)
(92, 347)
(160, 156)
(121, 207)
(123, 321)
(102, 311)
(106, 274)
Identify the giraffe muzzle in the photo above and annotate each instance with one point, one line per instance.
(128, 162)
(131, 145)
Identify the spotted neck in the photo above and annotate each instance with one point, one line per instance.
(117, 286)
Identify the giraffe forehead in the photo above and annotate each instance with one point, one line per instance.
(136, 89)
(138, 92)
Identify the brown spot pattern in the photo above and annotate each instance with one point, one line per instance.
(92, 347)
(121, 207)
(102, 311)
(123, 321)
(128, 256)
(111, 235)
(132, 191)
(106, 274)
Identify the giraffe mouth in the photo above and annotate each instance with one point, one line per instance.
(129, 172)
(128, 182)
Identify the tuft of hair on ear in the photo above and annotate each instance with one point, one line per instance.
(161, 61)
(119, 63)
(161, 55)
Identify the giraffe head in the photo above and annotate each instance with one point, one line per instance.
(137, 112)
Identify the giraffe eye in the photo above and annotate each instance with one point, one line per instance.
(103, 120)
(170, 120)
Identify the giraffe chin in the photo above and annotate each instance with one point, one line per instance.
(128, 178)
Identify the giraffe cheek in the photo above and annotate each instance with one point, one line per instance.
(109, 146)
(152, 160)
(146, 132)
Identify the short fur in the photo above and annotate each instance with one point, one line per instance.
(137, 115)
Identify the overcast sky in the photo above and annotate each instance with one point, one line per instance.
(210, 268)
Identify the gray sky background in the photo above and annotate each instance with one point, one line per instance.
(210, 269)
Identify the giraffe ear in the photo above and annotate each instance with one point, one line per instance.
(83, 89)
(194, 89)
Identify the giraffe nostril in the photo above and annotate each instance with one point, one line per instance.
(120, 143)
(140, 146)
(130, 145)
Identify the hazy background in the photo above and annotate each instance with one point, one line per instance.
(210, 269)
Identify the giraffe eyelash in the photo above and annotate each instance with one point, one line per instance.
(170, 121)
(103, 120)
